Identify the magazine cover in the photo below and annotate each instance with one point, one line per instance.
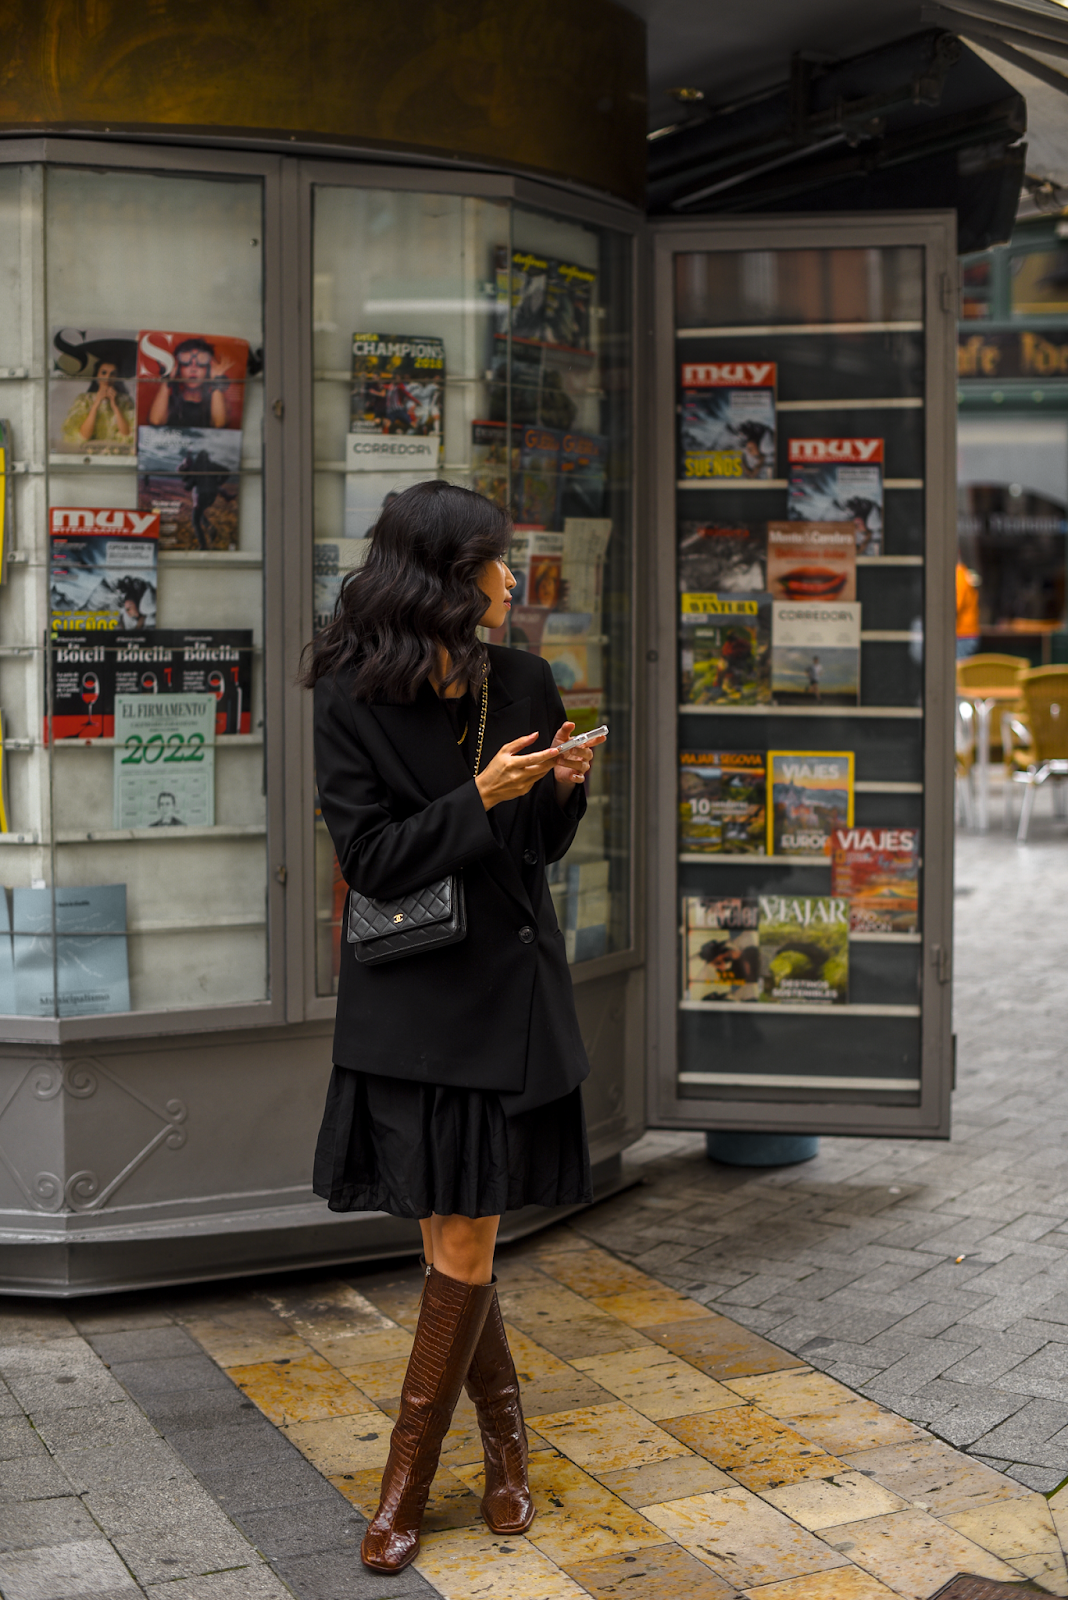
(587, 913)
(721, 559)
(721, 956)
(164, 763)
(724, 648)
(522, 295)
(536, 560)
(727, 419)
(811, 796)
(585, 548)
(92, 392)
(490, 463)
(190, 380)
(191, 478)
(7, 495)
(332, 561)
(87, 972)
(804, 950)
(102, 569)
(722, 802)
(367, 494)
(812, 561)
(398, 396)
(576, 659)
(815, 653)
(878, 871)
(583, 471)
(569, 303)
(538, 490)
(839, 480)
(90, 669)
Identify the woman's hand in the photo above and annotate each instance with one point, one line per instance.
(575, 764)
(511, 773)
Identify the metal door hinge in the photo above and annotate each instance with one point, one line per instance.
(940, 959)
(280, 874)
(279, 409)
(948, 291)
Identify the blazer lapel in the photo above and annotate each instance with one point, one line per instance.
(422, 736)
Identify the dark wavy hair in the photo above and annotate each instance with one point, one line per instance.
(416, 593)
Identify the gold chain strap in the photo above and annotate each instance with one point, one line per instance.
(482, 725)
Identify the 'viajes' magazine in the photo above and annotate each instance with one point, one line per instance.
(878, 871)
(810, 795)
(722, 802)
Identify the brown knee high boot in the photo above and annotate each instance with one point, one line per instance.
(493, 1386)
(450, 1322)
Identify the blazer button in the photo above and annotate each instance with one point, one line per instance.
(530, 857)
(527, 935)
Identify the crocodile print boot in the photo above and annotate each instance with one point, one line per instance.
(494, 1388)
(450, 1322)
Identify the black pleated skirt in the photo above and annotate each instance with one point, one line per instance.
(413, 1150)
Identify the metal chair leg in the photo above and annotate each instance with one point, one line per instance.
(1026, 810)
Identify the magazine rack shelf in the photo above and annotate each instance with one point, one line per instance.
(802, 654)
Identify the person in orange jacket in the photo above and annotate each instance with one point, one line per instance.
(967, 611)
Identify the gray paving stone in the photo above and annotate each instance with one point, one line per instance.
(123, 1468)
(144, 1344)
(18, 1437)
(34, 1477)
(335, 1576)
(1027, 1435)
(96, 1427)
(26, 1523)
(1044, 1479)
(87, 1569)
(305, 1528)
(255, 1582)
(196, 1374)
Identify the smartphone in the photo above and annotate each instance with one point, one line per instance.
(580, 739)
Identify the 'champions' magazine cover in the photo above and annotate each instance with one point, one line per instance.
(398, 396)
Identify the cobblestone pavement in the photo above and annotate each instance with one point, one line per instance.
(228, 1445)
(932, 1277)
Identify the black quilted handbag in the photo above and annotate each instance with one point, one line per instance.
(428, 919)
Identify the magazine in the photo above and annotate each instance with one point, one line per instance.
(522, 295)
(721, 955)
(722, 802)
(582, 571)
(804, 950)
(576, 658)
(724, 646)
(811, 793)
(164, 765)
(489, 460)
(88, 972)
(878, 871)
(569, 304)
(586, 925)
(727, 559)
(727, 419)
(190, 477)
(367, 494)
(190, 380)
(583, 472)
(398, 394)
(92, 392)
(90, 669)
(538, 489)
(332, 561)
(102, 569)
(536, 559)
(839, 480)
(547, 385)
(815, 653)
(812, 561)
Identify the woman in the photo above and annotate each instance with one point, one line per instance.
(455, 1091)
(104, 414)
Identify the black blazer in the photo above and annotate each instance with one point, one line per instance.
(496, 1011)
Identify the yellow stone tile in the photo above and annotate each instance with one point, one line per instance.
(531, 1360)
(656, 1572)
(719, 1347)
(451, 1504)
(380, 1380)
(1011, 1529)
(828, 1502)
(844, 1583)
(934, 1477)
(649, 1307)
(656, 1383)
(392, 1344)
(239, 1340)
(605, 1438)
(1049, 1570)
(593, 1272)
(743, 1539)
(565, 1324)
(658, 1481)
(826, 1411)
(343, 1444)
(361, 1488)
(328, 1310)
(757, 1450)
(913, 1553)
(547, 1302)
(474, 1564)
(577, 1519)
(300, 1391)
